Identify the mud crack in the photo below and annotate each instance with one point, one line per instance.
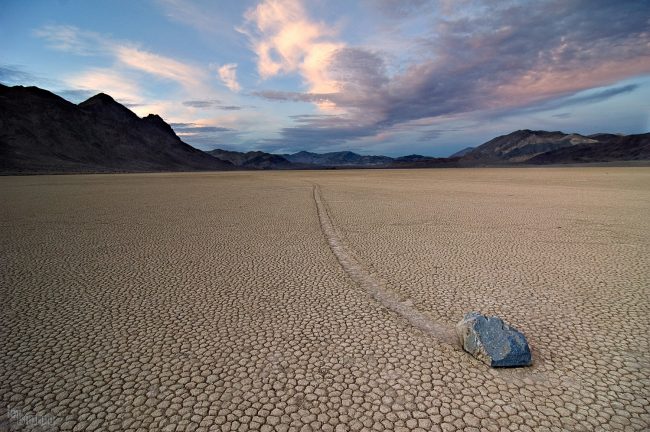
(375, 285)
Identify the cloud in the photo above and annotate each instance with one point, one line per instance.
(70, 39)
(96, 80)
(211, 103)
(481, 57)
(189, 77)
(274, 95)
(193, 128)
(202, 103)
(397, 9)
(127, 55)
(434, 134)
(15, 74)
(286, 40)
(591, 97)
(228, 75)
(206, 136)
(580, 98)
(208, 18)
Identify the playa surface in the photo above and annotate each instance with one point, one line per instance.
(323, 300)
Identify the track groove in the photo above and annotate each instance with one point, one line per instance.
(373, 284)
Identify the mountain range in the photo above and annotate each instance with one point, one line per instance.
(41, 132)
(542, 147)
(254, 159)
(522, 147)
(337, 159)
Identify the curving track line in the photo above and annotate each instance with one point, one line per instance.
(373, 284)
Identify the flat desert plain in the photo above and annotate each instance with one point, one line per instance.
(323, 300)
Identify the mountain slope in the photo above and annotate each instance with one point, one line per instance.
(522, 145)
(417, 161)
(609, 148)
(462, 152)
(344, 158)
(253, 159)
(42, 132)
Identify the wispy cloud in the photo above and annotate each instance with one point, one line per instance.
(71, 39)
(188, 76)
(11, 74)
(109, 81)
(206, 18)
(192, 128)
(212, 103)
(126, 54)
(274, 95)
(228, 75)
(585, 98)
(202, 103)
(134, 80)
(398, 9)
(206, 136)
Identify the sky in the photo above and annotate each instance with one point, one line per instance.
(391, 77)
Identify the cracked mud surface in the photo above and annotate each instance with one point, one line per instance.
(215, 302)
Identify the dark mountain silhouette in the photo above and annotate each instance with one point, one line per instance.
(254, 159)
(42, 132)
(522, 145)
(337, 159)
(609, 148)
(419, 161)
(411, 158)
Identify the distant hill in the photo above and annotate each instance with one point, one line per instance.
(522, 145)
(609, 148)
(462, 152)
(42, 132)
(254, 159)
(419, 161)
(411, 158)
(542, 147)
(337, 159)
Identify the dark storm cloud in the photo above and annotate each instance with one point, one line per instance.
(504, 56)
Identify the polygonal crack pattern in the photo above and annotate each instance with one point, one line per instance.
(212, 301)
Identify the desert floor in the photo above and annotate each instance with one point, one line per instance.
(323, 300)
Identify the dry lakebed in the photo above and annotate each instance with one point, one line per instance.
(323, 300)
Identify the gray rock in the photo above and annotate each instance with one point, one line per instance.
(492, 341)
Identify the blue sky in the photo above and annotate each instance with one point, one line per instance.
(373, 76)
